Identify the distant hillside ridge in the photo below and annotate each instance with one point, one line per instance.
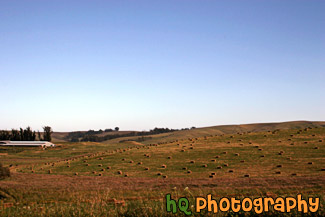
(203, 131)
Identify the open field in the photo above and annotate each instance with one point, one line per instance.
(131, 178)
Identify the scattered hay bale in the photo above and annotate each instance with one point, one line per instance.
(184, 168)
(169, 157)
(262, 156)
(85, 161)
(192, 161)
(213, 173)
(101, 158)
(316, 147)
(75, 173)
(230, 171)
(159, 174)
(94, 172)
(183, 150)
(68, 165)
(242, 161)
(140, 163)
(250, 143)
(225, 152)
(228, 142)
(100, 174)
(237, 154)
(163, 166)
(126, 175)
(217, 156)
(147, 168)
(213, 160)
(108, 167)
(211, 176)
(292, 144)
(260, 149)
(204, 165)
(165, 176)
(189, 171)
(191, 147)
(100, 165)
(119, 172)
(131, 162)
(310, 163)
(123, 159)
(278, 172)
(279, 165)
(305, 142)
(323, 169)
(294, 174)
(49, 171)
(102, 170)
(219, 167)
(246, 175)
(33, 171)
(320, 140)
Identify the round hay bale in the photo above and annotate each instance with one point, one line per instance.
(126, 175)
(108, 167)
(246, 175)
(140, 163)
(100, 165)
(278, 172)
(211, 176)
(279, 166)
(294, 174)
(316, 147)
(213, 160)
(147, 168)
(310, 163)
(184, 168)
(204, 165)
(230, 171)
(169, 157)
(163, 166)
(102, 170)
(49, 171)
(159, 174)
(131, 162)
(217, 156)
(189, 171)
(242, 161)
(225, 165)
(192, 161)
(119, 172)
(262, 155)
(75, 173)
(219, 167)
(237, 154)
(224, 152)
(165, 176)
(100, 174)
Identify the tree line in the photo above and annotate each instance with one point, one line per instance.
(91, 135)
(27, 134)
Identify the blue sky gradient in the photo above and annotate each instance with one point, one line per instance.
(79, 65)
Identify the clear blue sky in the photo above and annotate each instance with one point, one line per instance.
(79, 65)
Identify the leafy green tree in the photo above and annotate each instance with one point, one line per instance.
(47, 133)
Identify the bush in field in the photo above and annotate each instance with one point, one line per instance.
(4, 172)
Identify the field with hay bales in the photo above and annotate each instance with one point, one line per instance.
(131, 178)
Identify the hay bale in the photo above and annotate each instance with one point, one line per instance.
(68, 165)
(204, 165)
(75, 173)
(159, 174)
(108, 167)
(278, 172)
(189, 171)
(225, 152)
(94, 172)
(279, 166)
(163, 166)
(126, 175)
(165, 176)
(225, 165)
(260, 149)
(213, 173)
(323, 169)
(192, 161)
(213, 160)
(140, 163)
(102, 170)
(147, 168)
(99, 174)
(237, 154)
(219, 167)
(123, 159)
(119, 172)
(246, 175)
(310, 163)
(49, 171)
(183, 150)
(100, 165)
(217, 156)
(131, 162)
(211, 176)
(262, 156)
(230, 171)
(184, 168)
(242, 161)
(169, 157)
(294, 174)
(316, 147)
(320, 140)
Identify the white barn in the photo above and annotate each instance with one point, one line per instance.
(27, 143)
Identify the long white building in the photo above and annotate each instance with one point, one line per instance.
(27, 143)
